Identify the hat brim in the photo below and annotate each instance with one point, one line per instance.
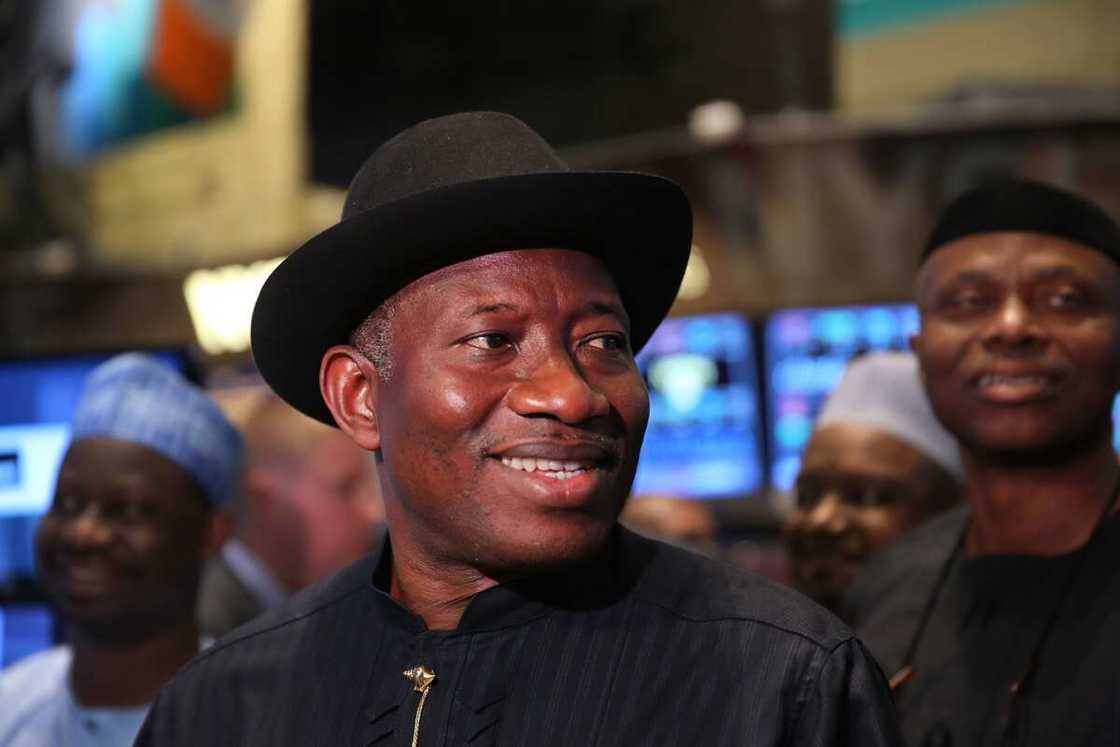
(639, 225)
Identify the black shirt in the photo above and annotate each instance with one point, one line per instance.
(651, 645)
(987, 618)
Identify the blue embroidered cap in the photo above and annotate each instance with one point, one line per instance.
(133, 397)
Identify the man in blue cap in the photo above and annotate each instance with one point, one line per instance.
(119, 554)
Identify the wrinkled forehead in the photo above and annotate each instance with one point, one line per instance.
(1014, 254)
(856, 450)
(106, 464)
(520, 272)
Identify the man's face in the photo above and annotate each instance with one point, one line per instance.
(511, 424)
(858, 490)
(337, 504)
(1020, 342)
(120, 550)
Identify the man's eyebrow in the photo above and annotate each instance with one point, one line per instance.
(970, 276)
(1058, 272)
(608, 308)
(491, 308)
(593, 307)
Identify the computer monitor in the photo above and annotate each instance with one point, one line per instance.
(25, 627)
(705, 432)
(37, 401)
(806, 352)
(1116, 424)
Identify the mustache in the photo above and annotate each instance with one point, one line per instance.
(612, 444)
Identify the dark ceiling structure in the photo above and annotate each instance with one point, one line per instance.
(577, 70)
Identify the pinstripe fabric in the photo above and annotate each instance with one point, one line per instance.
(987, 619)
(653, 646)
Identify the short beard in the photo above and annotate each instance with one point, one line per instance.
(1062, 451)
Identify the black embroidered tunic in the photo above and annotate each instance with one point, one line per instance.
(650, 645)
(982, 628)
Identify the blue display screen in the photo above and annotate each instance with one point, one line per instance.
(807, 351)
(37, 401)
(24, 629)
(1116, 424)
(705, 431)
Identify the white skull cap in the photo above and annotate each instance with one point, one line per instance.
(884, 391)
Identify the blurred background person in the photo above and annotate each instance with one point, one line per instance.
(683, 522)
(878, 464)
(120, 553)
(309, 505)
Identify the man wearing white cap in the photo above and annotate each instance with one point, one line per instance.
(119, 554)
(877, 465)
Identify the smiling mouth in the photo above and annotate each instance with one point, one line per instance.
(991, 380)
(1012, 388)
(556, 469)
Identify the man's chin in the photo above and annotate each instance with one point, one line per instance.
(1038, 449)
(530, 556)
(117, 626)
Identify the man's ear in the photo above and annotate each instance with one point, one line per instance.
(349, 384)
(916, 343)
(219, 524)
(916, 349)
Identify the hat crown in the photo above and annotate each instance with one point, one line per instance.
(449, 150)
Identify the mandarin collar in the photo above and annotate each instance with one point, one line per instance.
(597, 583)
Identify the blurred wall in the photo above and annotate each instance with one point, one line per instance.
(814, 211)
(1054, 42)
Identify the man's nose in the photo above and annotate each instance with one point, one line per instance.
(1013, 329)
(87, 529)
(828, 515)
(557, 388)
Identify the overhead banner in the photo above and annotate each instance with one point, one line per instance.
(856, 18)
(143, 65)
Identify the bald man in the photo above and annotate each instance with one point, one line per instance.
(310, 505)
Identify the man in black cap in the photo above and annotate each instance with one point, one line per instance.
(999, 620)
(472, 320)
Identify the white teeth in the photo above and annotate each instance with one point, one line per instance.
(551, 467)
(1001, 379)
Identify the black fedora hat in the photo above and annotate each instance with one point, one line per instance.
(451, 189)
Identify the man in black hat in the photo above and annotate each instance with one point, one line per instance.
(999, 620)
(472, 320)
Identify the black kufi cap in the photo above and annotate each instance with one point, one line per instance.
(1024, 205)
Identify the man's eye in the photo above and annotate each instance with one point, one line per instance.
(807, 496)
(489, 341)
(1066, 298)
(968, 301)
(127, 512)
(609, 343)
(870, 496)
(67, 504)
